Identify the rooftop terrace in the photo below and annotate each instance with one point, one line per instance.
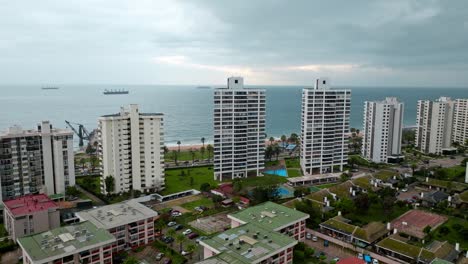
(29, 204)
(64, 241)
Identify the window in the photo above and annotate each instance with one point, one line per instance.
(236, 81)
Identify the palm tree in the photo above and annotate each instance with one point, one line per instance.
(414, 166)
(283, 139)
(272, 139)
(268, 152)
(83, 163)
(180, 238)
(178, 143)
(203, 141)
(192, 153)
(202, 152)
(175, 156)
(166, 150)
(276, 150)
(209, 148)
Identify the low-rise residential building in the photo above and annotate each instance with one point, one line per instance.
(130, 222)
(249, 243)
(79, 243)
(30, 214)
(431, 199)
(341, 228)
(273, 216)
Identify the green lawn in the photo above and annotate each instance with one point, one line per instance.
(266, 180)
(323, 186)
(456, 173)
(292, 163)
(294, 173)
(184, 155)
(455, 226)
(385, 174)
(375, 213)
(201, 202)
(178, 180)
(90, 183)
(271, 163)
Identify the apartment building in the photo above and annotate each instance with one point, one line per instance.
(324, 128)
(239, 130)
(434, 124)
(460, 122)
(30, 214)
(383, 126)
(266, 233)
(78, 243)
(130, 222)
(36, 160)
(131, 149)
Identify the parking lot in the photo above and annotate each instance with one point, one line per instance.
(331, 251)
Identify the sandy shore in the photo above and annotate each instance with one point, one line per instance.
(198, 146)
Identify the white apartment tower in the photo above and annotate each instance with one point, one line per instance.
(131, 149)
(36, 161)
(460, 122)
(383, 125)
(434, 125)
(239, 130)
(324, 128)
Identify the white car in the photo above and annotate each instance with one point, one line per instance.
(314, 238)
(176, 214)
(308, 236)
(187, 232)
(360, 256)
(404, 190)
(375, 261)
(171, 224)
(184, 253)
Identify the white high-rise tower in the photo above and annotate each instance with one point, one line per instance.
(239, 130)
(324, 128)
(383, 125)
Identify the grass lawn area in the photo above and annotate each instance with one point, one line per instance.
(375, 213)
(90, 183)
(271, 163)
(177, 183)
(323, 186)
(294, 173)
(266, 180)
(456, 173)
(201, 202)
(292, 163)
(184, 155)
(385, 175)
(455, 225)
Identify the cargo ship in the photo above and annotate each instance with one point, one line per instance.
(110, 92)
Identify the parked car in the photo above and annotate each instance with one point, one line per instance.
(325, 243)
(308, 236)
(167, 239)
(159, 256)
(375, 261)
(187, 232)
(176, 213)
(178, 227)
(336, 259)
(404, 190)
(192, 235)
(360, 256)
(184, 253)
(171, 224)
(314, 238)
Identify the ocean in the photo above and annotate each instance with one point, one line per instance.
(188, 111)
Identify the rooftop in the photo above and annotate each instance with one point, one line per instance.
(269, 215)
(400, 247)
(369, 233)
(413, 222)
(29, 204)
(118, 214)
(351, 260)
(247, 243)
(455, 186)
(64, 241)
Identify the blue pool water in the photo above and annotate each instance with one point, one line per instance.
(279, 172)
(284, 192)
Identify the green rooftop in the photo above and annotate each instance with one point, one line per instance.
(455, 186)
(57, 196)
(403, 248)
(247, 243)
(269, 215)
(440, 261)
(64, 241)
(464, 196)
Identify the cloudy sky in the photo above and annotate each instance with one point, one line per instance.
(372, 43)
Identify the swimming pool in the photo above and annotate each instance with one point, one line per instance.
(278, 172)
(285, 192)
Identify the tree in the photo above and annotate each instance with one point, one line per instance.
(175, 155)
(203, 141)
(272, 139)
(83, 163)
(131, 260)
(192, 154)
(283, 138)
(237, 185)
(166, 150)
(202, 152)
(178, 143)
(72, 191)
(294, 138)
(209, 148)
(191, 181)
(109, 182)
(262, 194)
(427, 230)
(414, 166)
(205, 187)
(94, 162)
(362, 201)
(171, 232)
(180, 238)
(269, 152)
(345, 205)
(276, 150)
(191, 248)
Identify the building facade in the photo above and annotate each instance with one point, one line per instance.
(434, 124)
(324, 128)
(30, 214)
(383, 127)
(460, 122)
(33, 161)
(131, 149)
(239, 130)
(131, 223)
(78, 243)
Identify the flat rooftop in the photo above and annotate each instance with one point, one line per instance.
(269, 215)
(30, 204)
(118, 214)
(413, 222)
(64, 241)
(247, 243)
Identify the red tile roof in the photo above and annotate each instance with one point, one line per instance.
(29, 204)
(351, 260)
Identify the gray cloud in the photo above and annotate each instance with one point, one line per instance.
(361, 42)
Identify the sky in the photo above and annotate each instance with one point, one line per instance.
(268, 42)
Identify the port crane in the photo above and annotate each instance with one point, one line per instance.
(81, 132)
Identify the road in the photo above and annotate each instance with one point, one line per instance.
(93, 197)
